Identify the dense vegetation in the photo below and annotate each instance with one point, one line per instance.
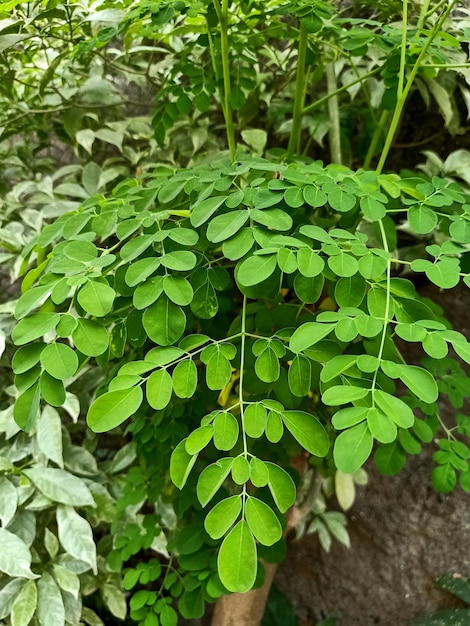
(219, 256)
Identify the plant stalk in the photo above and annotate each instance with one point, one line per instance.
(223, 15)
(334, 133)
(403, 89)
(299, 98)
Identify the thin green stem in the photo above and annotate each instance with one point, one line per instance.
(334, 133)
(403, 91)
(317, 103)
(387, 308)
(242, 373)
(379, 130)
(404, 33)
(214, 66)
(423, 14)
(223, 15)
(299, 97)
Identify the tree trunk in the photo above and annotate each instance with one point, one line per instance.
(244, 609)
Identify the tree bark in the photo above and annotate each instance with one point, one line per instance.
(244, 609)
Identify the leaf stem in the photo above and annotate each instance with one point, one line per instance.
(403, 89)
(223, 15)
(299, 97)
(240, 380)
(334, 133)
(387, 309)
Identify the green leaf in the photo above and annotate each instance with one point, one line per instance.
(342, 394)
(314, 196)
(240, 470)
(287, 260)
(309, 262)
(444, 478)
(352, 448)
(25, 604)
(76, 536)
(420, 382)
(300, 376)
(218, 371)
(342, 201)
(202, 211)
(443, 274)
(15, 557)
(115, 601)
(255, 269)
(96, 298)
(60, 486)
(113, 408)
(52, 390)
(185, 379)
(26, 357)
(49, 435)
(372, 208)
(205, 303)
(267, 366)
(463, 349)
(59, 360)
(237, 561)
(178, 289)
(350, 416)
(254, 420)
(148, 292)
(350, 291)
(164, 322)
(31, 299)
(274, 427)
(259, 473)
(181, 463)
(336, 366)
(309, 334)
(394, 408)
(390, 459)
(212, 478)
(262, 521)
(159, 389)
(422, 219)
(8, 501)
(8, 595)
(50, 611)
(282, 487)
(226, 431)
(372, 266)
(308, 290)
(223, 516)
(26, 408)
(140, 270)
(274, 219)
(90, 337)
(34, 327)
(435, 346)
(83, 251)
(240, 244)
(225, 226)
(198, 439)
(381, 426)
(66, 579)
(308, 431)
(179, 260)
(343, 264)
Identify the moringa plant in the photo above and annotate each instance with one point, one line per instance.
(247, 314)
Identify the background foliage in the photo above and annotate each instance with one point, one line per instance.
(242, 309)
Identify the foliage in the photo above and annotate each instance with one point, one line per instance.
(459, 587)
(245, 312)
